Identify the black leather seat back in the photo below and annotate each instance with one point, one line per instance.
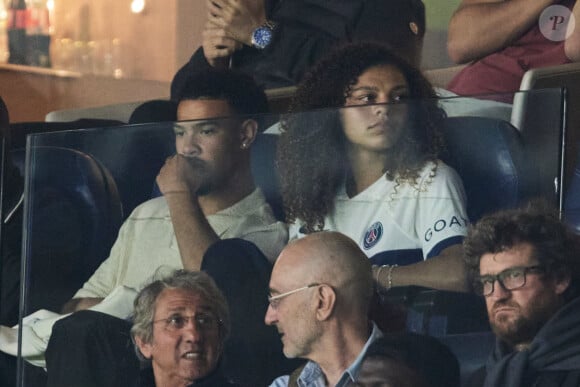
(488, 156)
(72, 216)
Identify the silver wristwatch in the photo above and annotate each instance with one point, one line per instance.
(263, 35)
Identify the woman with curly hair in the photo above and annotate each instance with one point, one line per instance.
(371, 170)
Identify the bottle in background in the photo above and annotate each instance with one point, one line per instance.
(37, 33)
(16, 30)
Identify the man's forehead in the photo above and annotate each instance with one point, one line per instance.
(181, 299)
(518, 255)
(292, 268)
(279, 278)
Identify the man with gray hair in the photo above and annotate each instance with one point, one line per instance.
(180, 324)
(320, 291)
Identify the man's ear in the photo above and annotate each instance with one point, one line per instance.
(326, 297)
(561, 282)
(248, 132)
(144, 348)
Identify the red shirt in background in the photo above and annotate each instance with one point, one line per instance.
(502, 71)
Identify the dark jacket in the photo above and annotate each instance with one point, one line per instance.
(551, 360)
(541, 379)
(216, 379)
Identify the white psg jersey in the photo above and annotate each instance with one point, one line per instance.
(404, 223)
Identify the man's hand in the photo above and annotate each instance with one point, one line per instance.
(179, 180)
(218, 46)
(572, 44)
(180, 174)
(237, 18)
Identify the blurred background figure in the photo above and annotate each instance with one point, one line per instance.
(504, 38)
(408, 360)
(278, 41)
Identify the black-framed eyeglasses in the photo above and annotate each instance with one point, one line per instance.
(509, 279)
(275, 300)
(202, 321)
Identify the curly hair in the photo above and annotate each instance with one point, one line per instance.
(554, 246)
(312, 147)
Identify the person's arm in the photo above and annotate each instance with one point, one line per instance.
(572, 43)
(194, 234)
(237, 18)
(481, 27)
(447, 271)
(77, 304)
(440, 222)
(229, 25)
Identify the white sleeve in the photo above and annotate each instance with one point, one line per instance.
(105, 278)
(441, 219)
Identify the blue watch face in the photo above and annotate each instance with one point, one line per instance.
(262, 37)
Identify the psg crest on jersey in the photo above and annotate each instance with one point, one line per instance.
(373, 235)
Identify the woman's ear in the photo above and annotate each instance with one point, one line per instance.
(248, 132)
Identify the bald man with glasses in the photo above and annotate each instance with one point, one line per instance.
(526, 265)
(320, 291)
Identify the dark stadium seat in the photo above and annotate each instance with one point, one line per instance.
(488, 155)
(72, 215)
(471, 350)
(264, 170)
(572, 200)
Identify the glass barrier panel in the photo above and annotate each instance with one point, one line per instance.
(81, 185)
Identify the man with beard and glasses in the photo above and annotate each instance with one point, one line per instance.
(320, 290)
(525, 263)
(209, 196)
